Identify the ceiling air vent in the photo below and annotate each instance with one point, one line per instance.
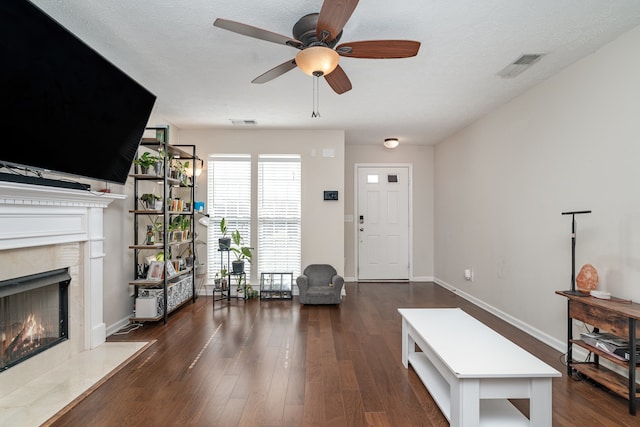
(237, 122)
(519, 65)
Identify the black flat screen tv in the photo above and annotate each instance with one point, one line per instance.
(64, 108)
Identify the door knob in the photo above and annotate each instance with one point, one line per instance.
(361, 228)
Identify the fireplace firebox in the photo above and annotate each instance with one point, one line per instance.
(33, 315)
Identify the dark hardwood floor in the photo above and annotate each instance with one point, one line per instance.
(278, 363)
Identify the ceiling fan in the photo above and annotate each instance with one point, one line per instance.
(316, 36)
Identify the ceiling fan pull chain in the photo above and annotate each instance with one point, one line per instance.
(316, 103)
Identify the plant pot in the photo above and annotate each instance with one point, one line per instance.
(224, 243)
(158, 168)
(237, 266)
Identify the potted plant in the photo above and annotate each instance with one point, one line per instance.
(223, 278)
(173, 230)
(159, 229)
(242, 253)
(181, 169)
(151, 201)
(180, 226)
(184, 223)
(159, 164)
(224, 242)
(145, 161)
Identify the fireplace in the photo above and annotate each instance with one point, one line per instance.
(46, 229)
(33, 315)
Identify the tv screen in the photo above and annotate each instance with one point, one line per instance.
(63, 107)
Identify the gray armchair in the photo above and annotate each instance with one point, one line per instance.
(320, 284)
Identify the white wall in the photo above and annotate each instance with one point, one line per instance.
(571, 143)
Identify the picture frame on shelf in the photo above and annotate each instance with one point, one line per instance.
(156, 269)
(171, 271)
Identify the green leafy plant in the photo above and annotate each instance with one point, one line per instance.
(242, 253)
(149, 200)
(180, 222)
(223, 227)
(224, 242)
(182, 167)
(146, 160)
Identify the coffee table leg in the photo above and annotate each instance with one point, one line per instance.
(465, 402)
(405, 343)
(540, 403)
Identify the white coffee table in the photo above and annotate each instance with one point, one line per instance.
(470, 370)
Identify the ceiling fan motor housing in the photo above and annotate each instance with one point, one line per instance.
(305, 31)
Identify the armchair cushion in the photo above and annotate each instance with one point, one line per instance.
(320, 284)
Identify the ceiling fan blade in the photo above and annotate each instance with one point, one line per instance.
(258, 33)
(333, 16)
(338, 80)
(275, 72)
(379, 49)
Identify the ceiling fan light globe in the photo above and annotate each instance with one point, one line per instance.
(317, 60)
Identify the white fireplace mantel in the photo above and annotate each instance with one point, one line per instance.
(34, 215)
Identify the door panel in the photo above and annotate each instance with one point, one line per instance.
(383, 226)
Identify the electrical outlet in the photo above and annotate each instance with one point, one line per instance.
(468, 274)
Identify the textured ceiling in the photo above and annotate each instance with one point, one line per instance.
(202, 74)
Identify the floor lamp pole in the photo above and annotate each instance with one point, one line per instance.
(573, 290)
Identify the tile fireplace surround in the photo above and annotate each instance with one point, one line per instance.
(44, 228)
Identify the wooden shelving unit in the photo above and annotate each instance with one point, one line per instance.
(616, 316)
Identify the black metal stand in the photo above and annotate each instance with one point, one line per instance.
(573, 290)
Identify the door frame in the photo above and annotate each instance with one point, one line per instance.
(356, 197)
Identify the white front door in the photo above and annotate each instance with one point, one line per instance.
(382, 220)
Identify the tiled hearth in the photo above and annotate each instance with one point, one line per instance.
(42, 398)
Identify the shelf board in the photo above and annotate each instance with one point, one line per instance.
(154, 246)
(145, 282)
(613, 358)
(608, 378)
(152, 177)
(181, 273)
(160, 245)
(146, 212)
(147, 176)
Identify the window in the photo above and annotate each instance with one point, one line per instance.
(278, 201)
(279, 214)
(229, 197)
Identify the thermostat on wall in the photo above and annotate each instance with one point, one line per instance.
(331, 195)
